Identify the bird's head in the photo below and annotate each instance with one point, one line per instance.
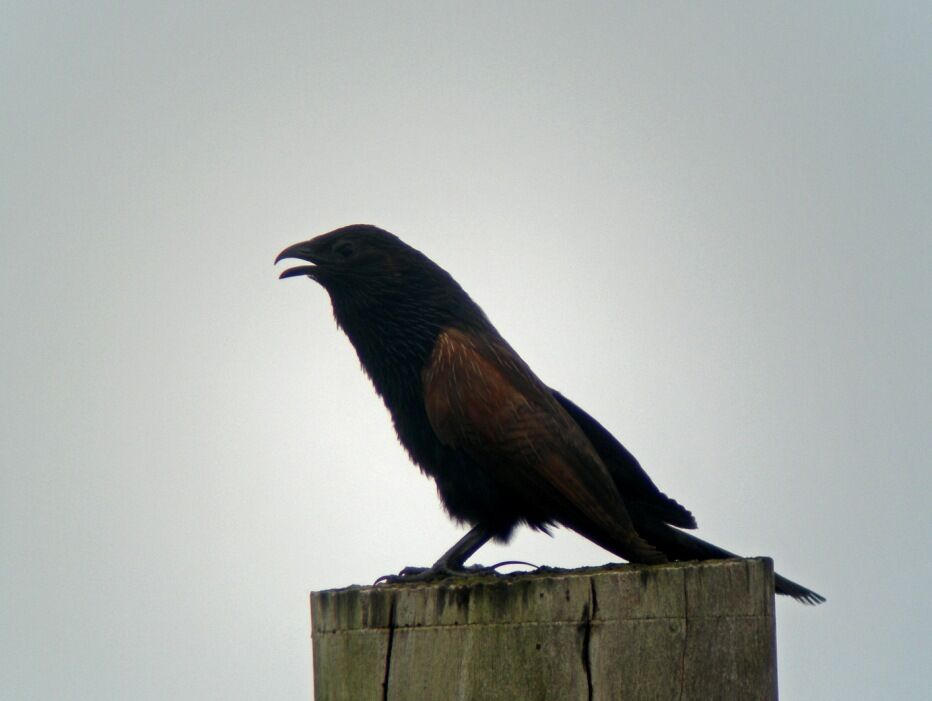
(365, 267)
(349, 255)
(376, 279)
(385, 294)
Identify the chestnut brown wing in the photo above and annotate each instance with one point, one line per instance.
(481, 398)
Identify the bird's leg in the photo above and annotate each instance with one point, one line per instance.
(454, 558)
(450, 563)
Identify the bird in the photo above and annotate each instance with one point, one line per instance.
(505, 449)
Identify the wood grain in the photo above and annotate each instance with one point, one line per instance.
(678, 631)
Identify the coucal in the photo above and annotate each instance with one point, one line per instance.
(504, 448)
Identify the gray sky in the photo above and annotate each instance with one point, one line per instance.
(706, 223)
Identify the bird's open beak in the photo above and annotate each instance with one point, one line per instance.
(301, 251)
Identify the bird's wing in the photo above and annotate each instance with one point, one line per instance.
(481, 398)
(637, 488)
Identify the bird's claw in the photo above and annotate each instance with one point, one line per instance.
(440, 571)
(424, 574)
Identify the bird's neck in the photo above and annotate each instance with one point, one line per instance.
(392, 348)
(394, 332)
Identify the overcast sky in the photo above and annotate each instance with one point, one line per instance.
(707, 223)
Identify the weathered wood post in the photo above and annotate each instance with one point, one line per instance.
(679, 631)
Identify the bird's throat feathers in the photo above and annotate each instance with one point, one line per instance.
(395, 327)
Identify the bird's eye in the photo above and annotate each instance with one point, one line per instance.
(345, 249)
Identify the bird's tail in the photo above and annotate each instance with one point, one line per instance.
(678, 545)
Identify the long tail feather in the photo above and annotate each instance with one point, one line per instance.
(678, 545)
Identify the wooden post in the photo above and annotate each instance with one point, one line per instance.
(679, 631)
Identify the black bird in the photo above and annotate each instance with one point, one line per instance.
(504, 448)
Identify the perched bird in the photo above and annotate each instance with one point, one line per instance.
(504, 448)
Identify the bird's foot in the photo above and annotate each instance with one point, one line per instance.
(433, 573)
(443, 570)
